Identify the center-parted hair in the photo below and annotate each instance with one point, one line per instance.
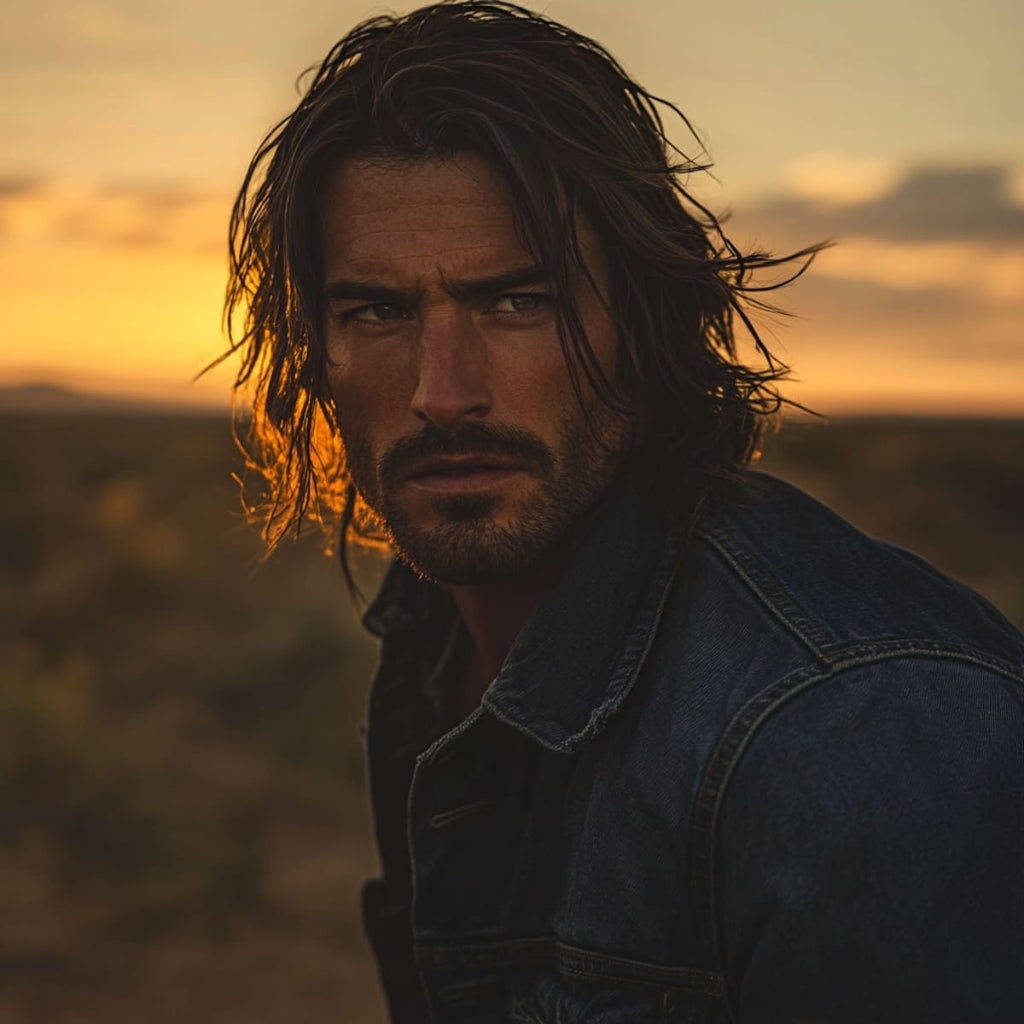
(573, 136)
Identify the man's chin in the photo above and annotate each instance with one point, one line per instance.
(468, 575)
(466, 508)
(471, 550)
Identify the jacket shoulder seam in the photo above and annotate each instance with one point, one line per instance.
(769, 590)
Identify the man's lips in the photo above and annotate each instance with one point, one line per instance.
(462, 472)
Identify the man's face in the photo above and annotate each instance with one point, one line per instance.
(454, 402)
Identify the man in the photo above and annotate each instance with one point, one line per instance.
(652, 737)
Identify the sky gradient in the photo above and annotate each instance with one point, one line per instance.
(894, 129)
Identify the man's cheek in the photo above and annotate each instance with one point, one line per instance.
(360, 458)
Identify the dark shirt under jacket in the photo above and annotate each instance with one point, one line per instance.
(780, 778)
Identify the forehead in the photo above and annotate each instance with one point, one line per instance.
(389, 215)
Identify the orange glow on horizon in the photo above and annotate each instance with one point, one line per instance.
(120, 293)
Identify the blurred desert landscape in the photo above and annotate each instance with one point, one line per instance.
(183, 825)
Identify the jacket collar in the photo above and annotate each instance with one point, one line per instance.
(580, 652)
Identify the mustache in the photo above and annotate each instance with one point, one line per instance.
(466, 439)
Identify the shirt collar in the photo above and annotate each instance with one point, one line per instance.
(579, 654)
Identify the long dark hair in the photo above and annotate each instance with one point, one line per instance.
(572, 134)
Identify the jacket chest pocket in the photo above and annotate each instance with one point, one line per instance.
(552, 998)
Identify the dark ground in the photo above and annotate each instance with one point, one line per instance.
(182, 821)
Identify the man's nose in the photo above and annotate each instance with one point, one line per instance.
(452, 373)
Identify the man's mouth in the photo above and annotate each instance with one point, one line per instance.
(462, 472)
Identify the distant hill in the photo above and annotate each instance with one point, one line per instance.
(55, 400)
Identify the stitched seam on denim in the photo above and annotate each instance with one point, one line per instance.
(767, 588)
(713, 986)
(442, 818)
(570, 960)
(740, 732)
(641, 639)
(863, 651)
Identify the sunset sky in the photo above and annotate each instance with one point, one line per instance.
(894, 128)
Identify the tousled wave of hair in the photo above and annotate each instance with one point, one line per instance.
(573, 135)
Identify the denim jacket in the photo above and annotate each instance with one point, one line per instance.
(778, 777)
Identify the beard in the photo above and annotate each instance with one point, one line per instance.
(465, 543)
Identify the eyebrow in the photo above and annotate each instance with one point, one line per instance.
(478, 287)
(466, 288)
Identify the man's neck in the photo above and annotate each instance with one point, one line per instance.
(494, 614)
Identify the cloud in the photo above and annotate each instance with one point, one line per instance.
(936, 323)
(174, 217)
(13, 186)
(938, 255)
(926, 277)
(996, 272)
(926, 204)
(833, 178)
(1015, 185)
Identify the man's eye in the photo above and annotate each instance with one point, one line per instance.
(375, 313)
(521, 302)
